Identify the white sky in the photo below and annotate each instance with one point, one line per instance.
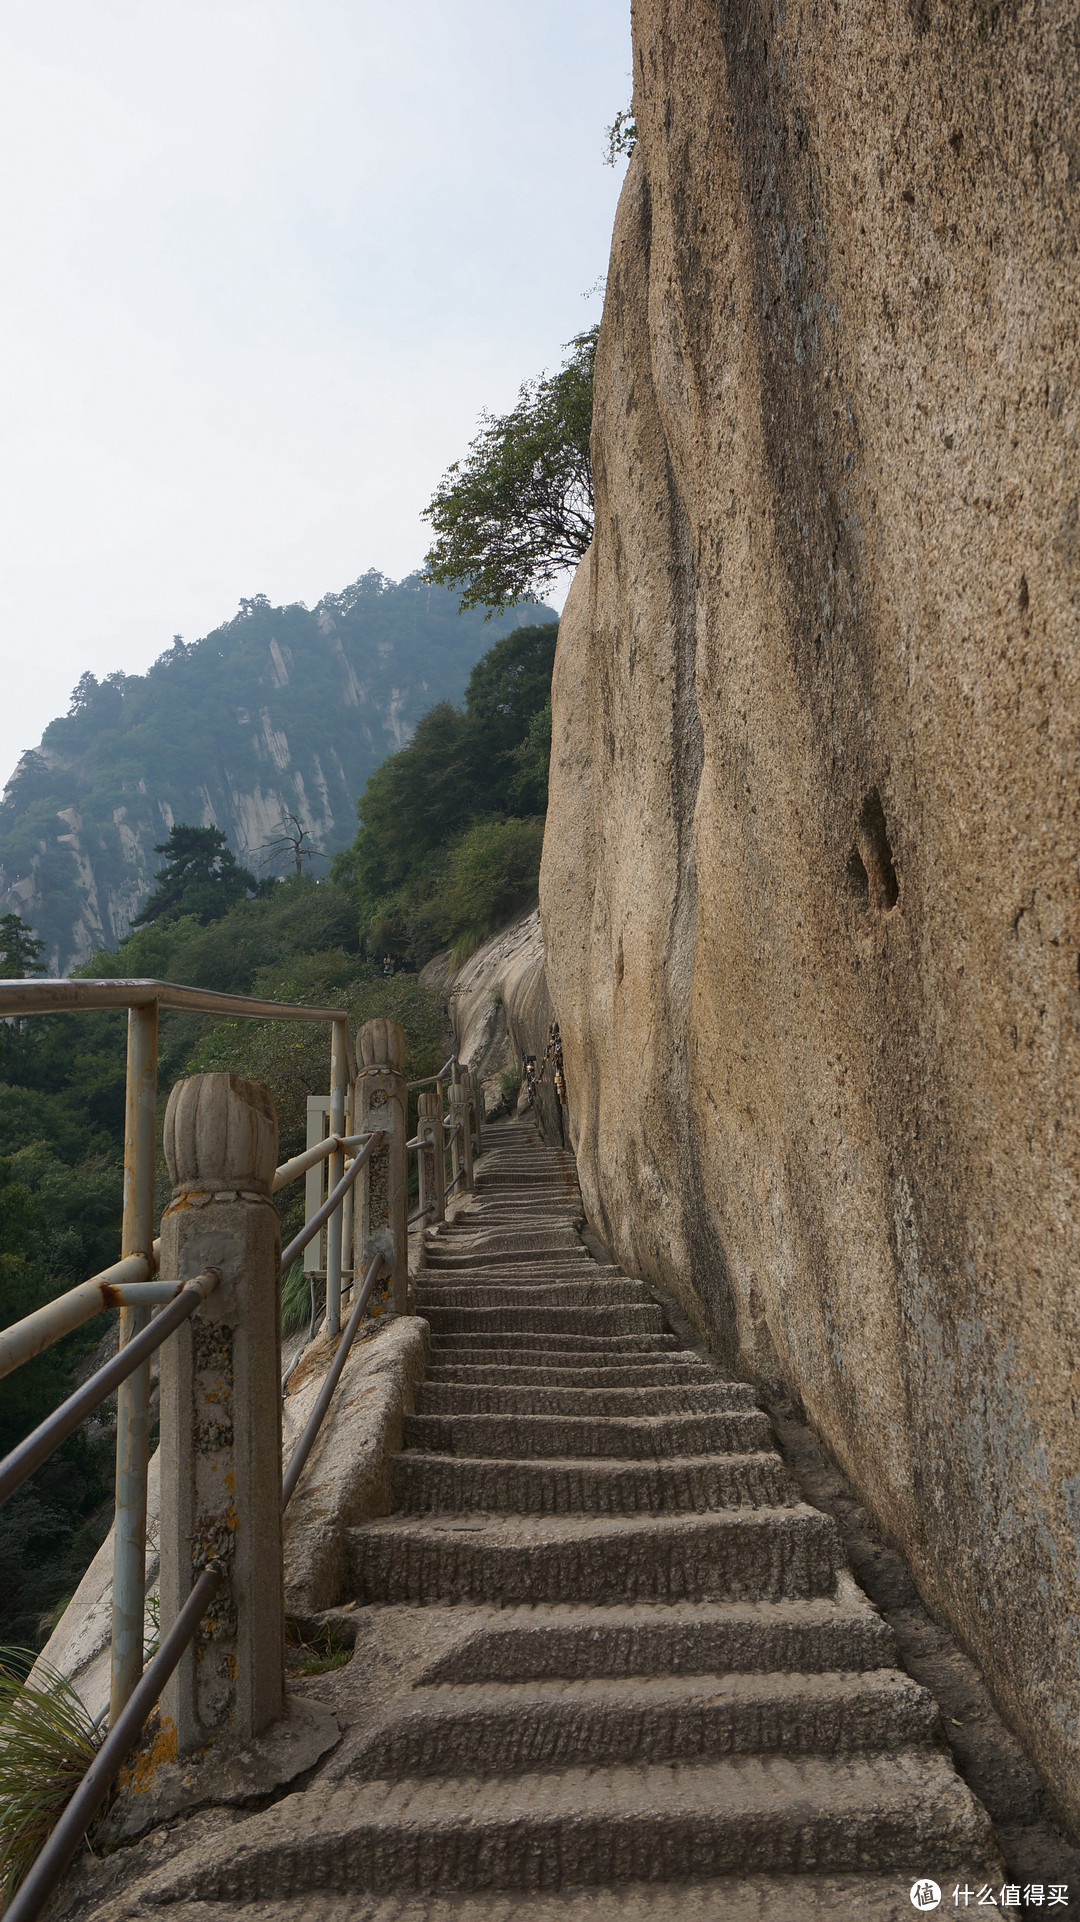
(266, 260)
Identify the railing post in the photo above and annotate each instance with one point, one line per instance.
(382, 1102)
(221, 1409)
(339, 1085)
(133, 1395)
(459, 1113)
(472, 1082)
(432, 1156)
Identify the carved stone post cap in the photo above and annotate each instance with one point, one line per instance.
(428, 1105)
(381, 1045)
(221, 1132)
(458, 1092)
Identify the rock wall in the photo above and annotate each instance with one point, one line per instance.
(499, 1007)
(810, 893)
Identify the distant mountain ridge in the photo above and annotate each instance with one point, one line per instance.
(283, 710)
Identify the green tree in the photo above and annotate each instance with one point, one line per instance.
(519, 508)
(201, 876)
(20, 950)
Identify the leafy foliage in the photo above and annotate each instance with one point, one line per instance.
(451, 827)
(47, 1743)
(518, 510)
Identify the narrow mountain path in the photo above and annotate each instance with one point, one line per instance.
(646, 1683)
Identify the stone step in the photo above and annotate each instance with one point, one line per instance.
(527, 1239)
(509, 1728)
(593, 1827)
(490, 1254)
(640, 1438)
(638, 1319)
(754, 1898)
(580, 1346)
(589, 1372)
(732, 1555)
(667, 1398)
(591, 1291)
(445, 1483)
(571, 1641)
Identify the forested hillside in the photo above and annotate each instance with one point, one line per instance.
(282, 712)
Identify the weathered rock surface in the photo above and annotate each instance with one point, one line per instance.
(810, 892)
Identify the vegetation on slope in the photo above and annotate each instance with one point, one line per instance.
(451, 827)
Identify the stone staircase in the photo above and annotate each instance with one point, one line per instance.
(651, 1688)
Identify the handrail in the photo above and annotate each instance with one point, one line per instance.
(113, 1286)
(299, 1165)
(59, 996)
(311, 1228)
(48, 1867)
(314, 1421)
(38, 1330)
(39, 1444)
(425, 1080)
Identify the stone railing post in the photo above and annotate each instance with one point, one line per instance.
(382, 1102)
(432, 1157)
(476, 1108)
(462, 1148)
(221, 1409)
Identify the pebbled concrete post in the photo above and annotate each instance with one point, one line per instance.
(221, 1409)
(462, 1148)
(472, 1083)
(382, 1102)
(432, 1157)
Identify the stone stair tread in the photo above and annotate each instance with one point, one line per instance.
(588, 1826)
(645, 1437)
(492, 1728)
(606, 1373)
(572, 1641)
(747, 1553)
(522, 1342)
(674, 1398)
(759, 1898)
(423, 1481)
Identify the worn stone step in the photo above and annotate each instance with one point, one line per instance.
(732, 1555)
(755, 1898)
(568, 1640)
(477, 1254)
(640, 1438)
(591, 1291)
(625, 1319)
(580, 1346)
(504, 1728)
(588, 1372)
(591, 1827)
(425, 1482)
(667, 1398)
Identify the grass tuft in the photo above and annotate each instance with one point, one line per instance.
(47, 1743)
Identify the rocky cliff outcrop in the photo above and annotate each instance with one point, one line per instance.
(269, 725)
(810, 892)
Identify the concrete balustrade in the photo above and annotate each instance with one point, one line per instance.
(221, 1409)
(432, 1156)
(462, 1145)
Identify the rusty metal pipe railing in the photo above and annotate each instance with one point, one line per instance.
(61, 997)
(311, 1227)
(426, 1080)
(299, 1165)
(37, 1331)
(315, 1419)
(37, 1446)
(41, 1881)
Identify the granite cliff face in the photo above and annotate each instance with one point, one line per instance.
(811, 895)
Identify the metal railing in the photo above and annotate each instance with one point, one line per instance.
(221, 1190)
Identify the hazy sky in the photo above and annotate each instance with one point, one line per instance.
(266, 261)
